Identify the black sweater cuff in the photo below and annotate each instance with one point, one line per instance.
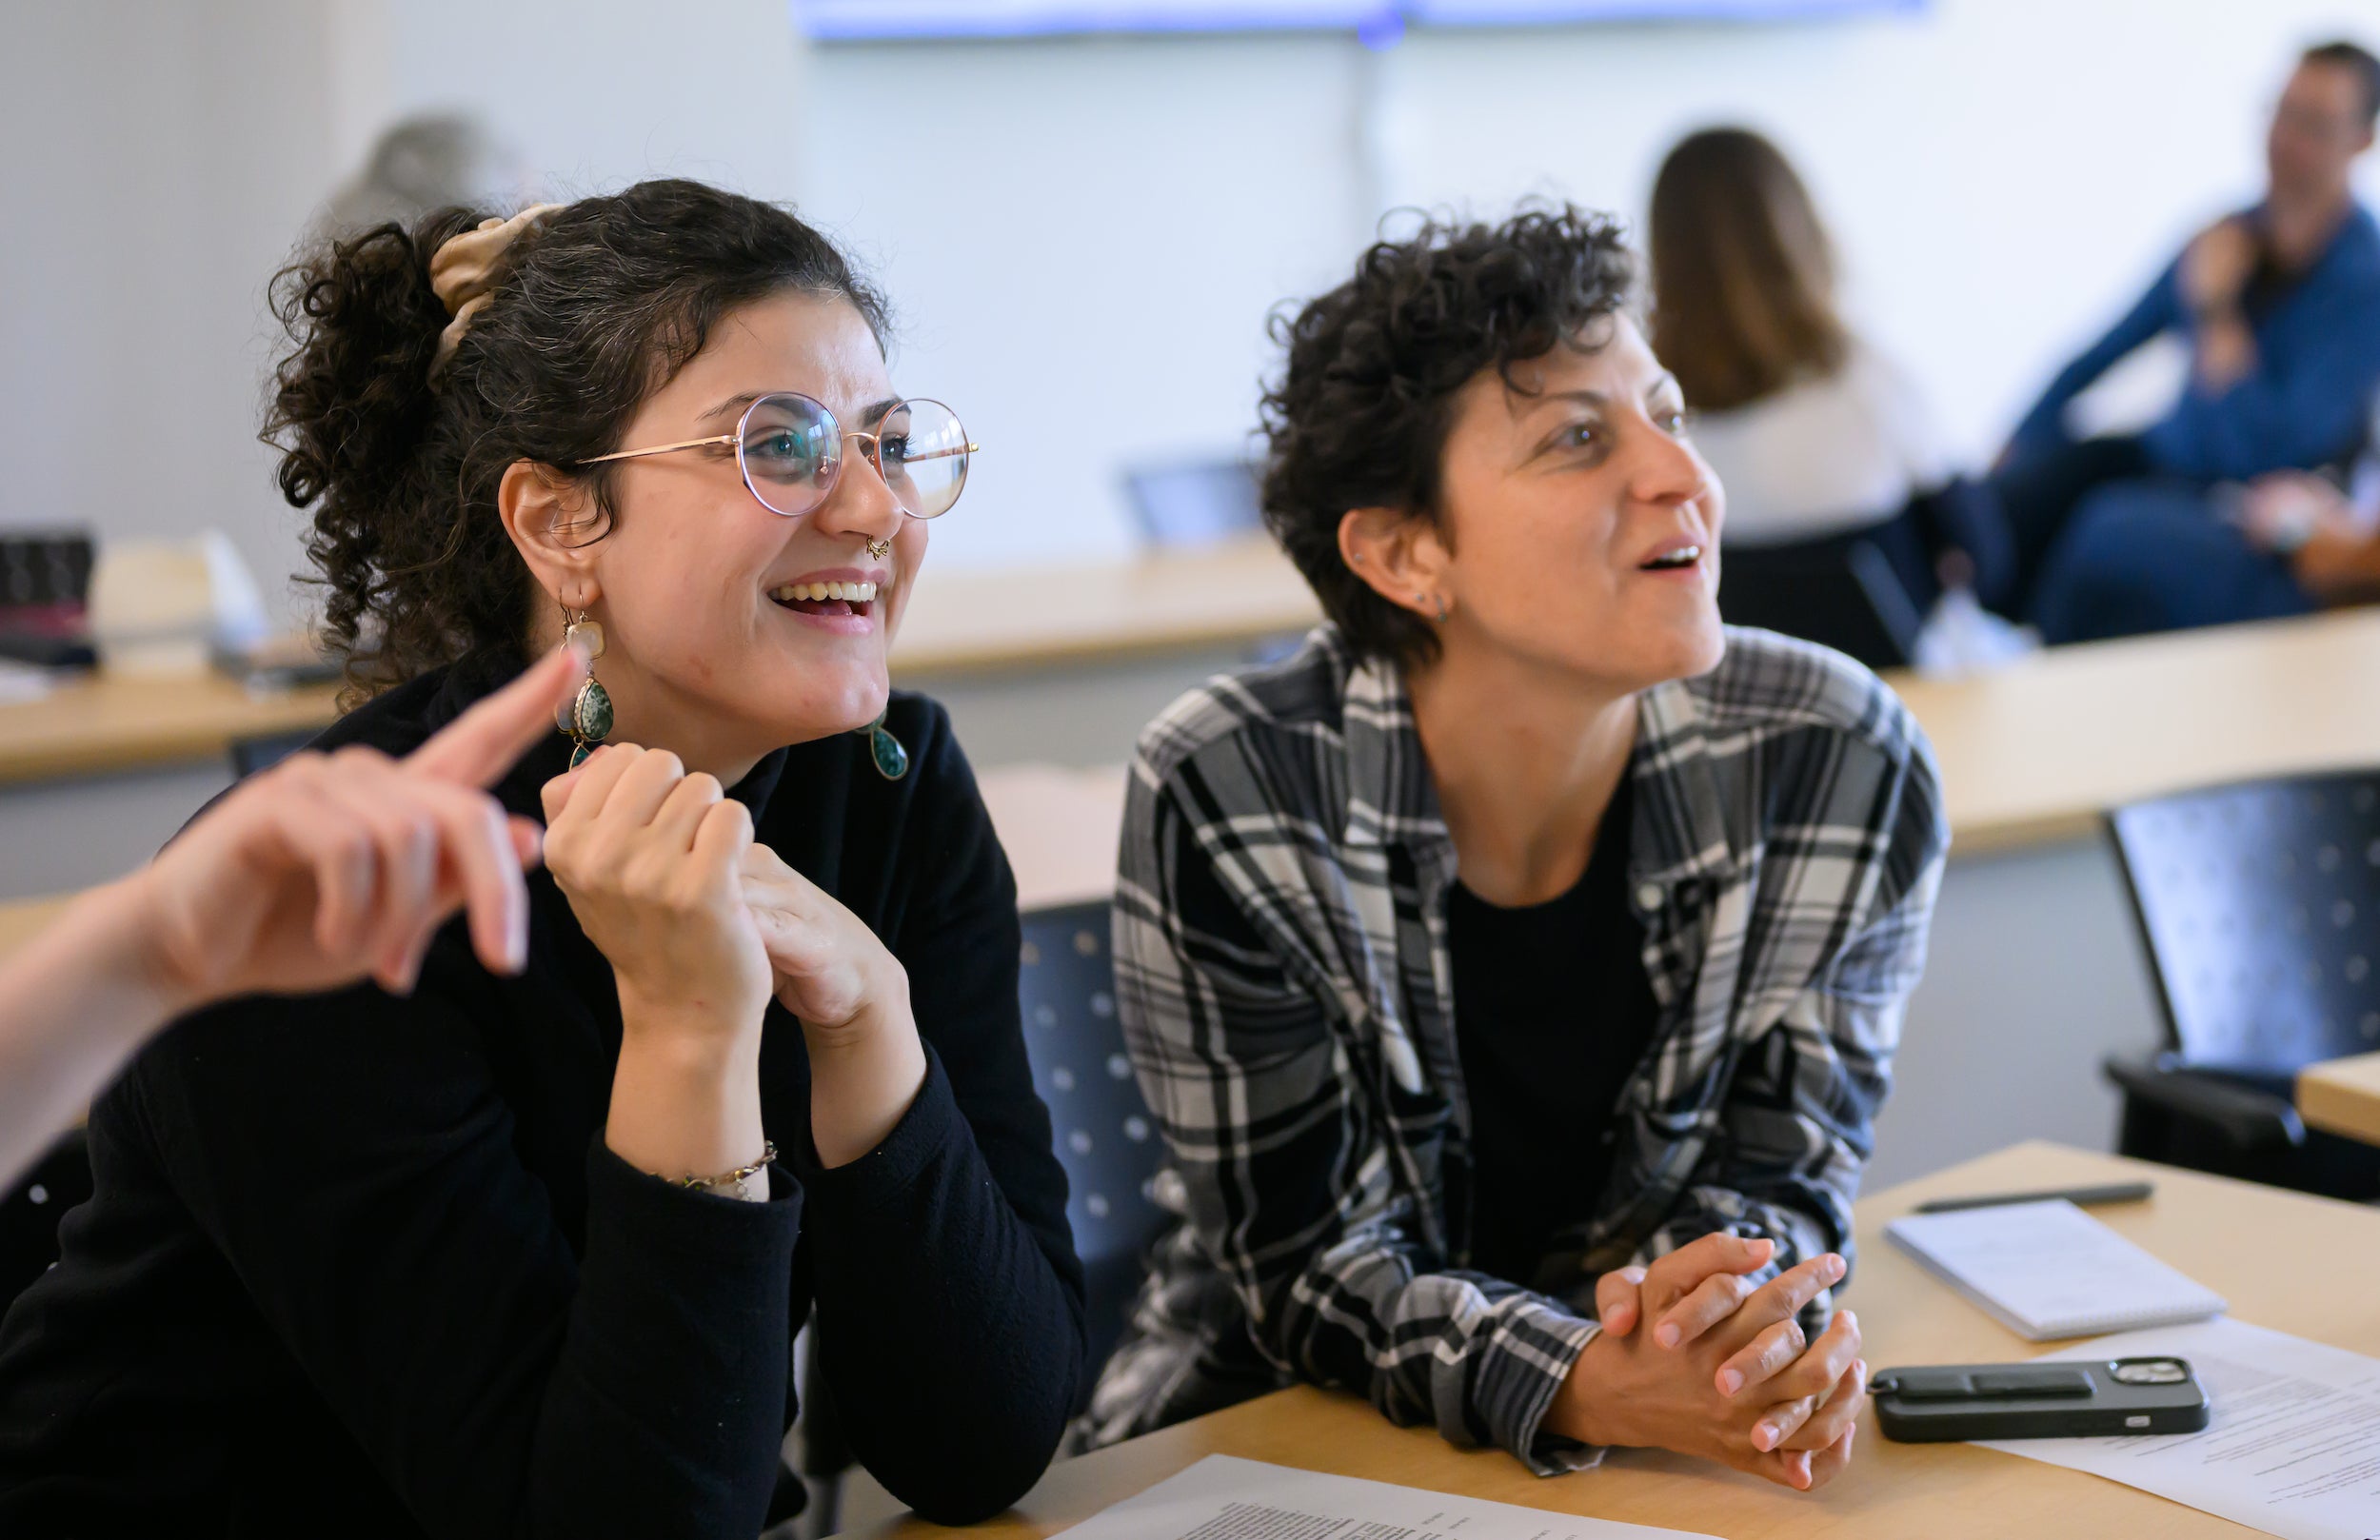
(669, 1402)
(931, 1128)
(638, 1210)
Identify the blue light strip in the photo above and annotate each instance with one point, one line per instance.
(1547, 12)
(851, 20)
(892, 20)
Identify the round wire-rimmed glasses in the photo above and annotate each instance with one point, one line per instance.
(789, 449)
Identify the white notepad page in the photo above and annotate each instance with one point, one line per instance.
(1226, 1498)
(2048, 1270)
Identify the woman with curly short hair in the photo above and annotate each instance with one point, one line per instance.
(1515, 970)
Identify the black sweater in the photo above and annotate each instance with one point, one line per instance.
(363, 1266)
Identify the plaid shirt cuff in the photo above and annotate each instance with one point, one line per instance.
(1518, 1382)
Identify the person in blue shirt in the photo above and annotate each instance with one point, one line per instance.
(2152, 556)
(2280, 304)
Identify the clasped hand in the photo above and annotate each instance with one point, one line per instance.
(701, 923)
(1697, 1357)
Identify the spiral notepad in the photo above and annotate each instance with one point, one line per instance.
(2048, 1270)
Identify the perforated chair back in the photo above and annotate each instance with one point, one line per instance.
(1841, 594)
(2260, 908)
(1107, 1142)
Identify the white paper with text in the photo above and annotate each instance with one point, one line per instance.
(2293, 1446)
(1225, 1498)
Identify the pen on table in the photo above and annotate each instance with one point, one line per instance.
(2082, 1197)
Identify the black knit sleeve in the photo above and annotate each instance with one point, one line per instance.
(350, 1157)
(950, 1317)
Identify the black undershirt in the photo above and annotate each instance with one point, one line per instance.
(1552, 1012)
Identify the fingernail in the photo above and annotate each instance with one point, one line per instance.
(1763, 1437)
(1731, 1380)
(1834, 1266)
(1666, 1335)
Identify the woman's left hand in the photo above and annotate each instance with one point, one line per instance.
(851, 996)
(832, 973)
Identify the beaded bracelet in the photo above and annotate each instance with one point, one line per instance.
(768, 1158)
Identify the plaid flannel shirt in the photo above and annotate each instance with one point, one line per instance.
(1282, 978)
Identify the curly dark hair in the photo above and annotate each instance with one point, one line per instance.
(589, 314)
(1360, 414)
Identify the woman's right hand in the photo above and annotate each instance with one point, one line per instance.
(651, 859)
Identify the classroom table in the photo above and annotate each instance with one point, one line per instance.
(2293, 1263)
(2036, 752)
(1052, 617)
(106, 723)
(2032, 754)
(20, 920)
(958, 623)
(2342, 1096)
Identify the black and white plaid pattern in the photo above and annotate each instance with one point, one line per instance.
(1284, 986)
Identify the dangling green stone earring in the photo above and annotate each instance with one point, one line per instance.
(890, 757)
(587, 716)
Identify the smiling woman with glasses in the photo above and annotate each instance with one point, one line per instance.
(473, 1253)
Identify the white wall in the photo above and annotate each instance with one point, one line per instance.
(154, 160)
(1082, 237)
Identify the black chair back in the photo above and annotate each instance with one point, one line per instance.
(1203, 502)
(1107, 1142)
(250, 755)
(2259, 908)
(1841, 593)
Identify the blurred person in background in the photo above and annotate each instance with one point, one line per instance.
(439, 160)
(2280, 307)
(1819, 439)
(2151, 556)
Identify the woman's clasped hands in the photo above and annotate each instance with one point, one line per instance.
(702, 925)
(1696, 1356)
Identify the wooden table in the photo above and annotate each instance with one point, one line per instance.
(2293, 1263)
(20, 920)
(967, 622)
(2031, 755)
(107, 723)
(2036, 752)
(962, 623)
(2342, 1096)
(1060, 828)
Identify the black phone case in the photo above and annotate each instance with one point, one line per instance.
(1944, 1403)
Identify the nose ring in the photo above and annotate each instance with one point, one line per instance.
(877, 548)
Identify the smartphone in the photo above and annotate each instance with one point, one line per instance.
(2062, 1400)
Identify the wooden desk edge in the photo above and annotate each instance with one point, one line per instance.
(913, 667)
(2342, 1096)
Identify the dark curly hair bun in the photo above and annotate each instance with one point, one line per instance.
(590, 313)
(1360, 414)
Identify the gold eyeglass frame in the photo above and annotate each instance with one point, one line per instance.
(871, 449)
